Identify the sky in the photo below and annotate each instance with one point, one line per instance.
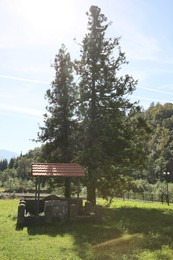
(31, 33)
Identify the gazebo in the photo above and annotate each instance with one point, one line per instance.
(52, 208)
(66, 170)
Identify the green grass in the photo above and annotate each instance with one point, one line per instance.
(129, 230)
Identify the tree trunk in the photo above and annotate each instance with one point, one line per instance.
(91, 188)
(67, 188)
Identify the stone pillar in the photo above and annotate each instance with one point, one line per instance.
(21, 216)
(48, 212)
(89, 208)
(99, 212)
(73, 210)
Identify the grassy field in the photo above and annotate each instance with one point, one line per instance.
(129, 230)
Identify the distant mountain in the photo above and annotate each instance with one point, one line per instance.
(5, 154)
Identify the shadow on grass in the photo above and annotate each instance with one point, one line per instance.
(155, 225)
(84, 232)
(85, 235)
(124, 219)
(140, 220)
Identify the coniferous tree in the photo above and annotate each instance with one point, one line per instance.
(57, 134)
(3, 164)
(104, 105)
(11, 163)
(105, 133)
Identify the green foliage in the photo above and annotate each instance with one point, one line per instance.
(11, 163)
(111, 186)
(35, 155)
(24, 167)
(111, 133)
(102, 92)
(141, 185)
(17, 176)
(57, 134)
(18, 185)
(3, 165)
(160, 145)
(6, 174)
(11, 184)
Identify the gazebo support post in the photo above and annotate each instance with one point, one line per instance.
(36, 188)
(37, 194)
(38, 199)
(67, 193)
(78, 191)
(67, 188)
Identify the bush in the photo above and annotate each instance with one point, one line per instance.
(18, 185)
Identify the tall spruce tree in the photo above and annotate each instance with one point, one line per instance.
(104, 105)
(59, 121)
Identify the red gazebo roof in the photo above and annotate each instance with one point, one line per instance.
(57, 169)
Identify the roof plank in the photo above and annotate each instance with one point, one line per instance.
(57, 169)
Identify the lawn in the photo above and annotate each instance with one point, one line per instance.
(129, 230)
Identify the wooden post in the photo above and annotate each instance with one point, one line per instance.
(78, 191)
(38, 198)
(67, 188)
(67, 193)
(36, 189)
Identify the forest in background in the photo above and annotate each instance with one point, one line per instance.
(15, 175)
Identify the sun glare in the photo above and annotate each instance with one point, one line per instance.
(43, 15)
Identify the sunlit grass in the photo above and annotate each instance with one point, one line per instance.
(129, 230)
(125, 244)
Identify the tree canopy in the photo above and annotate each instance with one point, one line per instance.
(106, 111)
(93, 122)
(90, 118)
(160, 145)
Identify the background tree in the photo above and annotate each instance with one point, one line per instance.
(57, 134)
(24, 167)
(160, 145)
(104, 106)
(11, 163)
(3, 164)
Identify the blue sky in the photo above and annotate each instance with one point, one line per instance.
(32, 31)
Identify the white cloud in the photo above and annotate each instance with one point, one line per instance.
(23, 79)
(149, 100)
(136, 42)
(38, 22)
(156, 90)
(22, 110)
(132, 21)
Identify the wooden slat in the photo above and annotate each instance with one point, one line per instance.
(57, 169)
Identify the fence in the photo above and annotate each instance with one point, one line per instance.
(148, 197)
